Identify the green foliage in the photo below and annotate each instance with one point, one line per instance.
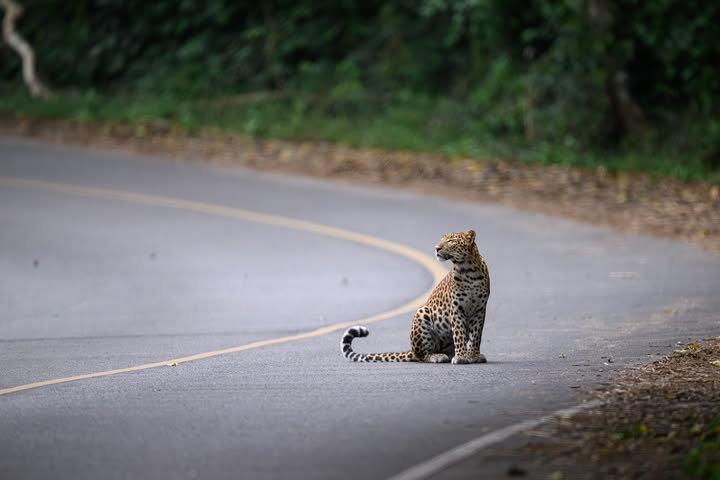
(420, 123)
(703, 461)
(539, 76)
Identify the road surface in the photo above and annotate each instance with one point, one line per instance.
(112, 261)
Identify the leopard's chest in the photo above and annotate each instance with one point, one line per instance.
(471, 301)
(467, 299)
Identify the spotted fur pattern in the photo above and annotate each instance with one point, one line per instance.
(449, 326)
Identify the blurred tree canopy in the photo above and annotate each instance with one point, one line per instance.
(593, 73)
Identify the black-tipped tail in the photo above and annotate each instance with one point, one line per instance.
(346, 345)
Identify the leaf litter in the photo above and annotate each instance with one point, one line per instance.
(658, 421)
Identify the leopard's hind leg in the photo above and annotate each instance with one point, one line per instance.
(423, 342)
(437, 358)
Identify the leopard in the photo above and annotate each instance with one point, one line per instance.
(448, 327)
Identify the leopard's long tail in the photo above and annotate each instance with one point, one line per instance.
(355, 332)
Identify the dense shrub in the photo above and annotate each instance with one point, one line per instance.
(578, 73)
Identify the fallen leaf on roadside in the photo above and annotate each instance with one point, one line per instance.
(173, 364)
(562, 355)
(715, 362)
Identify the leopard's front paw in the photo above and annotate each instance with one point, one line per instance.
(458, 359)
(479, 358)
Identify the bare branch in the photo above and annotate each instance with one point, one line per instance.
(12, 11)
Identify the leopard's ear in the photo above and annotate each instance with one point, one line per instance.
(471, 235)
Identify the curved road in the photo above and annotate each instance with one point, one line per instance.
(93, 281)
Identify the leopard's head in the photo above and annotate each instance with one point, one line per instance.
(456, 247)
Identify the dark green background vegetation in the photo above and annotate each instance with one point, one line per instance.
(625, 83)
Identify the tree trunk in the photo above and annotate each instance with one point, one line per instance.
(12, 11)
(629, 119)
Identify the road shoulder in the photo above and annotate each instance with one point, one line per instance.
(657, 421)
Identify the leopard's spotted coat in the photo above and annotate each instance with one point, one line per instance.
(449, 326)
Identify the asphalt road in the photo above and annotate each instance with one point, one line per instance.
(91, 283)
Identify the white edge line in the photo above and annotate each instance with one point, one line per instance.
(440, 462)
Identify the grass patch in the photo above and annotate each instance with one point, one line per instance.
(405, 122)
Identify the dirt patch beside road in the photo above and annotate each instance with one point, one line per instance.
(622, 201)
(658, 421)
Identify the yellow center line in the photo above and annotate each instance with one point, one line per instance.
(427, 262)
